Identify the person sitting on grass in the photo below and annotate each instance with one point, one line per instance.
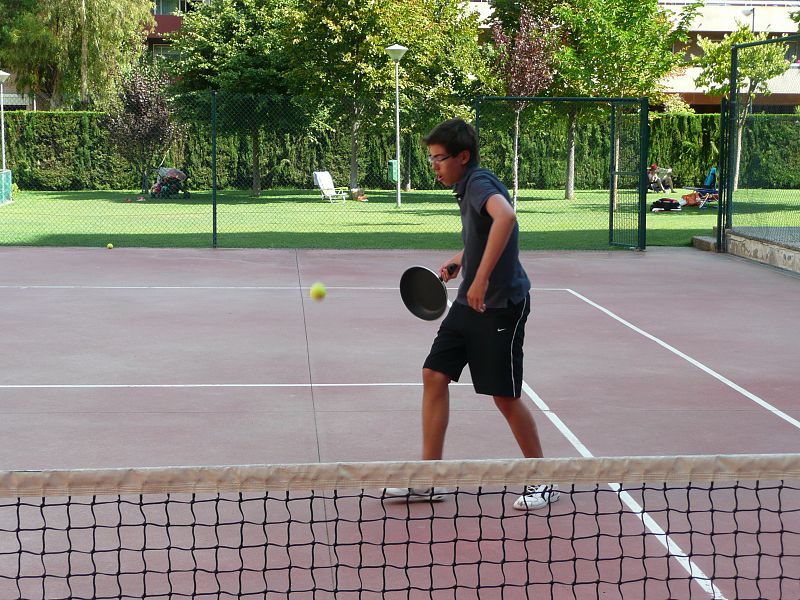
(657, 182)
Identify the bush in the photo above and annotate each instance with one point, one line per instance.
(72, 151)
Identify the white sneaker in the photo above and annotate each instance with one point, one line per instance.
(537, 496)
(416, 494)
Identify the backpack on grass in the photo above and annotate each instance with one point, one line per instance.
(665, 204)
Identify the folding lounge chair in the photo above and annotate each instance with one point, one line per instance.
(708, 192)
(709, 185)
(324, 181)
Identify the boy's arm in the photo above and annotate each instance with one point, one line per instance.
(503, 220)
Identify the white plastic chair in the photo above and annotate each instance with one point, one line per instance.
(324, 181)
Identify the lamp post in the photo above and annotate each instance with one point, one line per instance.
(3, 77)
(396, 52)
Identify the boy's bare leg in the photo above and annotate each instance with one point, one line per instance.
(435, 413)
(522, 424)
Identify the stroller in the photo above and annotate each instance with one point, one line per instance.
(169, 182)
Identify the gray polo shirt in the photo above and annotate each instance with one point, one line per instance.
(508, 280)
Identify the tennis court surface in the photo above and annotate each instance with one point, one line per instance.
(129, 374)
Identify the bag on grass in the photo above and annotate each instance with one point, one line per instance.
(665, 204)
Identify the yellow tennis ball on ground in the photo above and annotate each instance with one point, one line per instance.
(318, 291)
(110, 246)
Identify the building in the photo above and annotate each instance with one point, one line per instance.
(719, 17)
(167, 21)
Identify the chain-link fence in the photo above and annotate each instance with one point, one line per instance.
(578, 174)
(760, 175)
(240, 173)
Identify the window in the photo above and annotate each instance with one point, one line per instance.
(169, 7)
(164, 52)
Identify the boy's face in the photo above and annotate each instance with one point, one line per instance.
(448, 167)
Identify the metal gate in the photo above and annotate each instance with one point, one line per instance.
(628, 178)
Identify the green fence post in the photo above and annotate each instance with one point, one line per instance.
(733, 139)
(214, 169)
(644, 145)
(722, 173)
(611, 174)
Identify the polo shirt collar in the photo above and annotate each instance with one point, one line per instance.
(461, 187)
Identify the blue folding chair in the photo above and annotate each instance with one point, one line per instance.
(708, 192)
(709, 185)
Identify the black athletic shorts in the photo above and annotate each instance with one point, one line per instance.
(489, 342)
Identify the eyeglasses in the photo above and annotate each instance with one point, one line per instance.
(439, 158)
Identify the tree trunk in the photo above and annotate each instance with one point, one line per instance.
(55, 98)
(614, 171)
(572, 124)
(84, 58)
(355, 127)
(741, 119)
(145, 180)
(517, 112)
(256, 139)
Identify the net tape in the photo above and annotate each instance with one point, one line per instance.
(349, 475)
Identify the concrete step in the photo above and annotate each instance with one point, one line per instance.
(705, 242)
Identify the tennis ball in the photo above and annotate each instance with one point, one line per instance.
(110, 246)
(318, 291)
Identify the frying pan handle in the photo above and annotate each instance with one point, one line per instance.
(451, 268)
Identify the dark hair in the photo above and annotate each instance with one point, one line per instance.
(456, 135)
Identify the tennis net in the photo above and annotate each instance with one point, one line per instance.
(643, 527)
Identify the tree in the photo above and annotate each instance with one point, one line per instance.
(525, 61)
(47, 46)
(237, 48)
(756, 66)
(141, 126)
(338, 58)
(615, 48)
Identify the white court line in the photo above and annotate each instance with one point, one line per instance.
(749, 395)
(293, 288)
(208, 385)
(220, 287)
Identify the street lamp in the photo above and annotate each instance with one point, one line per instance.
(3, 77)
(751, 12)
(396, 52)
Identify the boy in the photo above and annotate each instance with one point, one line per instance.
(485, 327)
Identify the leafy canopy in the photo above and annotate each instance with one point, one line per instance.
(233, 45)
(618, 47)
(40, 42)
(756, 65)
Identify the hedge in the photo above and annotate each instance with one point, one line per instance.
(72, 151)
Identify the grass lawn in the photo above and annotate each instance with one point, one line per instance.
(299, 218)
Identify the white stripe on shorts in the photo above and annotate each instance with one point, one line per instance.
(513, 337)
